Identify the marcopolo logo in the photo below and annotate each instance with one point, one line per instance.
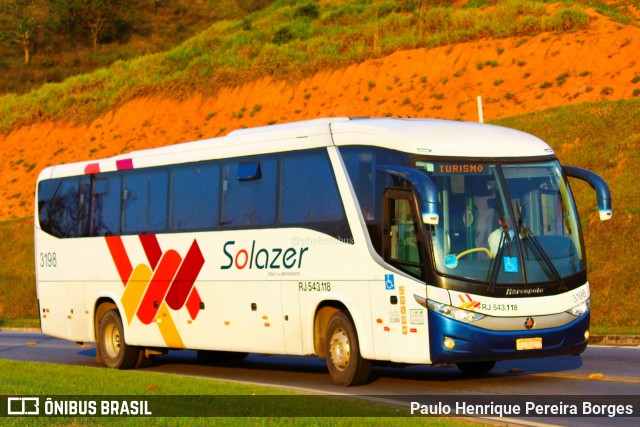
(261, 258)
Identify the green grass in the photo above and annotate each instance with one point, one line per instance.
(42, 379)
(286, 41)
(603, 137)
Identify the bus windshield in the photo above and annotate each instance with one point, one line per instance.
(504, 223)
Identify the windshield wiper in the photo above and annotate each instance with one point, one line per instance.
(531, 240)
(495, 263)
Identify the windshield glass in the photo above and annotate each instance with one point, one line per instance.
(504, 223)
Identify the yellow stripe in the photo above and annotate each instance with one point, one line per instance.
(168, 328)
(133, 292)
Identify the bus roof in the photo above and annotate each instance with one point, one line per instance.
(419, 136)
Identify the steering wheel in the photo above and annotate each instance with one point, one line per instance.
(472, 250)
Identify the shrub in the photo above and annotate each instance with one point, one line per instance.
(283, 35)
(309, 11)
(569, 20)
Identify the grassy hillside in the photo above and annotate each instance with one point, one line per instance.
(287, 40)
(17, 271)
(62, 44)
(603, 137)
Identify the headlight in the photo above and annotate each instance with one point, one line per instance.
(454, 313)
(581, 309)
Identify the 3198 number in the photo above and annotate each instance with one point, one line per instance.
(48, 259)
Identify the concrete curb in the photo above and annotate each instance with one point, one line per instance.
(613, 340)
(24, 330)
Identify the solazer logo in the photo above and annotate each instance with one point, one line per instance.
(262, 258)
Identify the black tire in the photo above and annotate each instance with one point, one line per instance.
(210, 356)
(476, 368)
(346, 365)
(115, 351)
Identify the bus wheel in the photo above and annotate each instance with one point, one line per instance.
(476, 368)
(115, 351)
(345, 364)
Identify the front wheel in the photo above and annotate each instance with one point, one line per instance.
(346, 365)
(476, 368)
(115, 351)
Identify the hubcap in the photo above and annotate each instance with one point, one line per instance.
(112, 341)
(340, 349)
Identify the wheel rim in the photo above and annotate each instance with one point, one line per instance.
(112, 341)
(340, 349)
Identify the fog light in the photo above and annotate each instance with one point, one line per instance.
(448, 343)
(586, 334)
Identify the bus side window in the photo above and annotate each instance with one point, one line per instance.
(46, 191)
(144, 199)
(308, 191)
(105, 207)
(249, 192)
(194, 197)
(64, 209)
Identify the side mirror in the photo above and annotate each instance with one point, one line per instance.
(425, 190)
(603, 194)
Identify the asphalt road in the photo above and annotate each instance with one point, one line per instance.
(599, 371)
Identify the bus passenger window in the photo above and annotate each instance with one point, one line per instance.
(309, 193)
(247, 200)
(105, 208)
(145, 202)
(194, 197)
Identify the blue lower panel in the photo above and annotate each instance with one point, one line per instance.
(475, 344)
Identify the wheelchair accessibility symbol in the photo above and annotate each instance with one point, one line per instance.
(389, 282)
(510, 264)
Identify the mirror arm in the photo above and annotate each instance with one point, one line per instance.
(603, 194)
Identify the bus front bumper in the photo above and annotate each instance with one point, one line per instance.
(473, 344)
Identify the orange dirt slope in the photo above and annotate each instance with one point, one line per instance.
(515, 75)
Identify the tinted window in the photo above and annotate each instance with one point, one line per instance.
(106, 206)
(64, 206)
(46, 192)
(249, 200)
(308, 189)
(144, 197)
(194, 197)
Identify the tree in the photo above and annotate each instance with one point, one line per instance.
(19, 23)
(94, 18)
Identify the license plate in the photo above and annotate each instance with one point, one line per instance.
(529, 344)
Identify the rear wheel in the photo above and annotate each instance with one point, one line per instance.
(476, 368)
(346, 365)
(115, 351)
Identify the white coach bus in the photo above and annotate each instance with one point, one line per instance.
(357, 240)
